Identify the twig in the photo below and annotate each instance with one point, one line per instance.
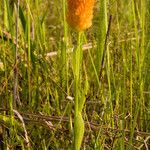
(48, 123)
(23, 124)
(94, 126)
(84, 48)
(145, 143)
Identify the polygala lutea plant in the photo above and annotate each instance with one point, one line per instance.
(80, 14)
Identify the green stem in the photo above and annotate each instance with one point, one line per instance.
(78, 61)
(78, 121)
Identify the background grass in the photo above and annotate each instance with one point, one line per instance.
(41, 111)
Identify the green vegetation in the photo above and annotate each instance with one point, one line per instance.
(57, 88)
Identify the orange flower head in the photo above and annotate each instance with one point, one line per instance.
(80, 14)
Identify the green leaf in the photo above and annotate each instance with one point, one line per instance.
(78, 131)
(22, 18)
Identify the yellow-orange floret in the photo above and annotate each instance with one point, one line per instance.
(80, 14)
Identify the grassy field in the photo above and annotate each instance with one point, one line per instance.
(50, 75)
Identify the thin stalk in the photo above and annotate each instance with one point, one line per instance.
(124, 93)
(92, 62)
(108, 70)
(142, 57)
(4, 102)
(131, 75)
(64, 71)
(15, 95)
(102, 33)
(131, 98)
(29, 51)
(105, 47)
